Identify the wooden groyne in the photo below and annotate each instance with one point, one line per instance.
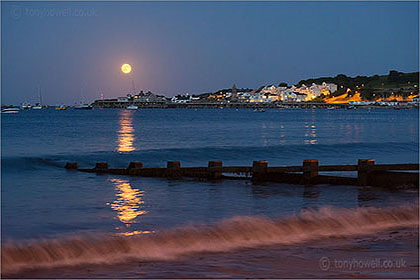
(368, 173)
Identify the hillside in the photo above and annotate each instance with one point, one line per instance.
(372, 87)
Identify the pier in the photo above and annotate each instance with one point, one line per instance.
(368, 173)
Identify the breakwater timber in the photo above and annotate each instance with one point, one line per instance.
(368, 173)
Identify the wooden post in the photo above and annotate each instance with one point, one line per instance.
(259, 170)
(214, 170)
(363, 170)
(71, 165)
(101, 165)
(134, 167)
(173, 169)
(310, 170)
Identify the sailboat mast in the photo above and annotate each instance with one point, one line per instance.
(39, 95)
(134, 87)
(81, 96)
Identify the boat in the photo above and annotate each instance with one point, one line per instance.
(83, 107)
(37, 107)
(26, 106)
(62, 107)
(330, 108)
(12, 110)
(259, 110)
(132, 107)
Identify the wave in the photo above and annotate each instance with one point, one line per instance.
(276, 154)
(227, 235)
(29, 163)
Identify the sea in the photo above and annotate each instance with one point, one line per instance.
(59, 223)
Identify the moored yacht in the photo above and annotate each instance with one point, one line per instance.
(132, 107)
(37, 107)
(12, 110)
(61, 107)
(26, 106)
(83, 107)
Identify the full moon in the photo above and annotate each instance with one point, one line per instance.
(126, 68)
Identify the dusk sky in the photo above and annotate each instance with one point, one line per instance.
(195, 47)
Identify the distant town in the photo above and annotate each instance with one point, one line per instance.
(396, 90)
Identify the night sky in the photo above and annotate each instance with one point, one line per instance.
(177, 47)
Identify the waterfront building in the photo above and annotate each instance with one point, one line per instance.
(271, 97)
(122, 99)
(270, 89)
(148, 97)
(234, 96)
(142, 99)
(315, 90)
(244, 96)
(181, 99)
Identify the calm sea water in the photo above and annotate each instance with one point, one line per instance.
(40, 199)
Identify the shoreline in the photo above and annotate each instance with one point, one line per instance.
(397, 247)
(305, 105)
(254, 106)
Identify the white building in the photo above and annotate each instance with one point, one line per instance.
(180, 99)
(123, 99)
(270, 89)
(316, 90)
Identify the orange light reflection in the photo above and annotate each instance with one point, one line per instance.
(128, 202)
(126, 132)
(136, 232)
